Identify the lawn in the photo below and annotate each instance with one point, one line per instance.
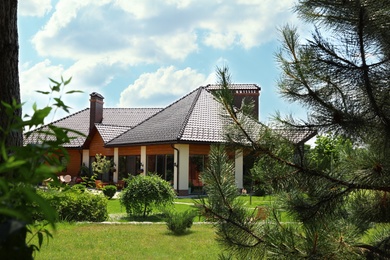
(137, 241)
(129, 241)
(118, 212)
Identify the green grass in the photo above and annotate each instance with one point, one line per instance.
(127, 241)
(183, 204)
(114, 207)
(138, 241)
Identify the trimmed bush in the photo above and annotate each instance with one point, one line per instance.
(78, 187)
(74, 205)
(180, 222)
(144, 192)
(109, 191)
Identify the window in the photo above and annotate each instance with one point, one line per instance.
(196, 167)
(162, 165)
(129, 165)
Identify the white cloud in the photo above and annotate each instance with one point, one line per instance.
(159, 88)
(149, 31)
(37, 77)
(34, 7)
(87, 76)
(246, 23)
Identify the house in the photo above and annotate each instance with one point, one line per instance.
(173, 142)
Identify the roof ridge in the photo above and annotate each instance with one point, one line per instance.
(185, 122)
(143, 108)
(102, 124)
(235, 86)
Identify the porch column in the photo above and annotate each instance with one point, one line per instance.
(175, 167)
(239, 168)
(182, 170)
(85, 159)
(143, 159)
(116, 161)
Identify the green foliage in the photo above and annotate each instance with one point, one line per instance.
(329, 151)
(84, 171)
(218, 177)
(337, 192)
(234, 223)
(101, 164)
(144, 192)
(101, 167)
(180, 222)
(109, 191)
(79, 187)
(22, 168)
(75, 205)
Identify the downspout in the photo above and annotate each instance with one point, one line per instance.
(177, 166)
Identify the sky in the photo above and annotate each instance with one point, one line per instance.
(150, 53)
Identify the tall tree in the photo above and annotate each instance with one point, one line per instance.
(9, 72)
(341, 75)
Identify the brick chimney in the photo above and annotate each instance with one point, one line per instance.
(250, 92)
(96, 109)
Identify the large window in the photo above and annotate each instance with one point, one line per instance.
(162, 165)
(129, 165)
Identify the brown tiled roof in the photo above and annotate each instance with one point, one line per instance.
(296, 135)
(127, 116)
(205, 122)
(117, 118)
(165, 126)
(197, 117)
(108, 132)
(78, 121)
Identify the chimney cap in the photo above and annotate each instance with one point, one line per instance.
(96, 95)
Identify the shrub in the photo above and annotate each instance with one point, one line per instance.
(74, 205)
(179, 222)
(144, 192)
(78, 187)
(109, 191)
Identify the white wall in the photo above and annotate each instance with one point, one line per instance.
(182, 161)
(239, 168)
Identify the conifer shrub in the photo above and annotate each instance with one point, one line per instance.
(180, 222)
(109, 191)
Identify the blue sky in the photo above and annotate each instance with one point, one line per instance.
(149, 53)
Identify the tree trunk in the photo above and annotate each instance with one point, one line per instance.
(9, 73)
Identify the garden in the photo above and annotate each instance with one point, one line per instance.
(124, 235)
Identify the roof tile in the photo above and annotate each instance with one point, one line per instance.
(118, 118)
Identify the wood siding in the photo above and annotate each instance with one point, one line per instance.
(159, 149)
(73, 167)
(97, 147)
(199, 149)
(129, 150)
